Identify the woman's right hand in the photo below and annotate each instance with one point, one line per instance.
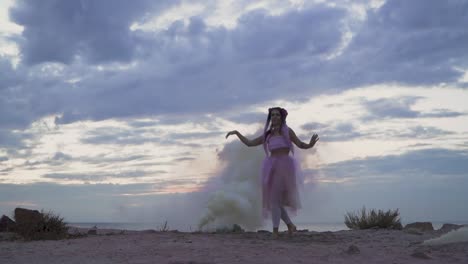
(233, 132)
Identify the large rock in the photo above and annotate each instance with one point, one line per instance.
(28, 222)
(421, 226)
(26, 216)
(6, 224)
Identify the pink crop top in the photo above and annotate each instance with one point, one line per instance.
(276, 142)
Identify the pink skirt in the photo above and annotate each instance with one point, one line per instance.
(280, 184)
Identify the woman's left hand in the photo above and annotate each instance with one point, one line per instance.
(313, 140)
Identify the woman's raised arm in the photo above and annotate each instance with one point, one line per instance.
(249, 143)
(299, 143)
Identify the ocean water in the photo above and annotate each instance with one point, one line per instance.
(319, 227)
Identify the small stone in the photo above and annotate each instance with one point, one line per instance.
(413, 231)
(353, 250)
(421, 255)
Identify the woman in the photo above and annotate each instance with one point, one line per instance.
(279, 173)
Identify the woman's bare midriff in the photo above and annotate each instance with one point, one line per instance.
(280, 152)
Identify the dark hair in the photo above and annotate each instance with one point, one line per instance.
(283, 114)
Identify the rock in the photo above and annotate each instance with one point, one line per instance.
(413, 231)
(28, 222)
(6, 224)
(23, 215)
(149, 231)
(450, 227)
(353, 250)
(92, 231)
(420, 255)
(421, 226)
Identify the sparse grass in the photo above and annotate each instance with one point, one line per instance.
(164, 227)
(50, 226)
(373, 219)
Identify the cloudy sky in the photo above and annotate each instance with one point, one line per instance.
(116, 110)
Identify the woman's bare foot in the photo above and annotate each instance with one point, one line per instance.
(275, 233)
(291, 228)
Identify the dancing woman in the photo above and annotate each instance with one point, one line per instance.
(279, 170)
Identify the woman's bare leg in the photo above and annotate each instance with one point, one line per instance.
(275, 217)
(287, 221)
(285, 216)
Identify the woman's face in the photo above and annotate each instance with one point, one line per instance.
(275, 117)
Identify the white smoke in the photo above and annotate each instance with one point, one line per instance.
(236, 197)
(455, 236)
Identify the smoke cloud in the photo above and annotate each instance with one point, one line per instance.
(455, 236)
(236, 197)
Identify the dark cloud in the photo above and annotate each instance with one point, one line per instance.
(100, 176)
(347, 131)
(109, 159)
(309, 33)
(336, 132)
(3, 158)
(418, 132)
(141, 124)
(401, 108)
(194, 68)
(195, 135)
(412, 42)
(392, 108)
(121, 136)
(13, 140)
(314, 126)
(441, 113)
(184, 159)
(416, 164)
(191, 69)
(97, 31)
(246, 118)
(115, 139)
(8, 76)
(61, 156)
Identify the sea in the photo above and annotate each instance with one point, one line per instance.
(318, 227)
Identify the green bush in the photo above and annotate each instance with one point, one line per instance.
(373, 219)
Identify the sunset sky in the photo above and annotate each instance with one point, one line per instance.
(116, 110)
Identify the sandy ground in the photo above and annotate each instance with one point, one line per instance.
(116, 246)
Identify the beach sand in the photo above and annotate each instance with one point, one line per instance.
(351, 246)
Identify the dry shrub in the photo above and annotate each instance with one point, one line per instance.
(373, 219)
